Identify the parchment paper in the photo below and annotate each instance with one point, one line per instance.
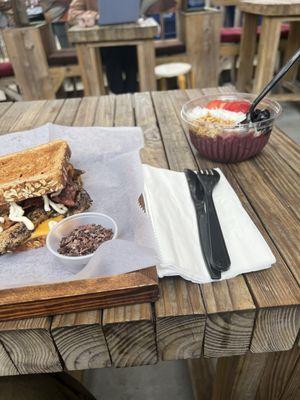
(114, 179)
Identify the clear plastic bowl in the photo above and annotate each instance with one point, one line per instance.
(229, 144)
(66, 226)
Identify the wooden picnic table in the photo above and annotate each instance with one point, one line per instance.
(88, 41)
(249, 323)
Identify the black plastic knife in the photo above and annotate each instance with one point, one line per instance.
(198, 197)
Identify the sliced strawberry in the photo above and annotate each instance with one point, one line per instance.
(215, 104)
(237, 106)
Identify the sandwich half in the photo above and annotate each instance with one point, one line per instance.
(38, 187)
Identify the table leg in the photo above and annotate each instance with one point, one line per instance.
(267, 52)
(247, 51)
(146, 64)
(258, 376)
(293, 45)
(91, 70)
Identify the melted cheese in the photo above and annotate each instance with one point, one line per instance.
(44, 228)
(16, 214)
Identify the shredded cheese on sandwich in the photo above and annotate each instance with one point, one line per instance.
(48, 204)
(16, 214)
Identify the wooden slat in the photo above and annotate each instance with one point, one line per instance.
(276, 374)
(229, 305)
(68, 112)
(105, 111)
(13, 114)
(180, 314)
(292, 389)
(6, 365)
(4, 107)
(154, 152)
(130, 336)
(30, 345)
(86, 112)
(202, 373)
(80, 340)
(269, 288)
(180, 320)
(285, 147)
(238, 377)
(141, 346)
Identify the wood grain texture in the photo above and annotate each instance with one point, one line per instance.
(271, 7)
(201, 33)
(141, 347)
(6, 365)
(276, 329)
(202, 373)
(267, 52)
(68, 112)
(292, 388)
(281, 370)
(247, 51)
(180, 320)
(112, 33)
(146, 65)
(30, 346)
(105, 111)
(129, 332)
(238, 377)
(80, 340)
(180, 314)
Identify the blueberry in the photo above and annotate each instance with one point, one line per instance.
(260, 115)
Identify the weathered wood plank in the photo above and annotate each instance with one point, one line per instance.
(292, 389)
(86, 112)
(130, 336)
(4, 107)
(154, 152)
(7, 367)
(278, 373)
(229, 305)
(180, 313)
(202, 373)
(105, 111)
(131, 343)
(30, 346)
(80, 340)
(49, 112)
(180, 320)
(68, 112)
(14, 113)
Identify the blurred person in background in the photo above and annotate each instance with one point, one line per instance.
(56, 13)
(120, 61)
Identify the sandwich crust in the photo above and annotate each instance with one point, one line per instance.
(34, 172)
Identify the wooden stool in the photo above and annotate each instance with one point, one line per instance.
(274, 13)
(181, 71)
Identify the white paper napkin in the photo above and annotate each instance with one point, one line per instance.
(173, 216)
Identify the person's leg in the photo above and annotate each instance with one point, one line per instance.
(59, 29)
(129, 63)
(112, 59)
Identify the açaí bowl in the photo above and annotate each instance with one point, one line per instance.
(229, 144)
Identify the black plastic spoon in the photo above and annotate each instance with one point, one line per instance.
(271, 84)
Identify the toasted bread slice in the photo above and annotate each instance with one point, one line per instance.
(34, 172)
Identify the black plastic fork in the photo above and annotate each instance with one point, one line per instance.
(220, 259)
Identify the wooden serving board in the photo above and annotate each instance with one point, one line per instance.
(79, 295)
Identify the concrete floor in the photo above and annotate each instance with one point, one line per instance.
(166, 380)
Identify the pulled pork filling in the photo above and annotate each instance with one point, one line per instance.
(73, 196)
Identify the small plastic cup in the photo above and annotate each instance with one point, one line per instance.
(229, 144)
(75, 263)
